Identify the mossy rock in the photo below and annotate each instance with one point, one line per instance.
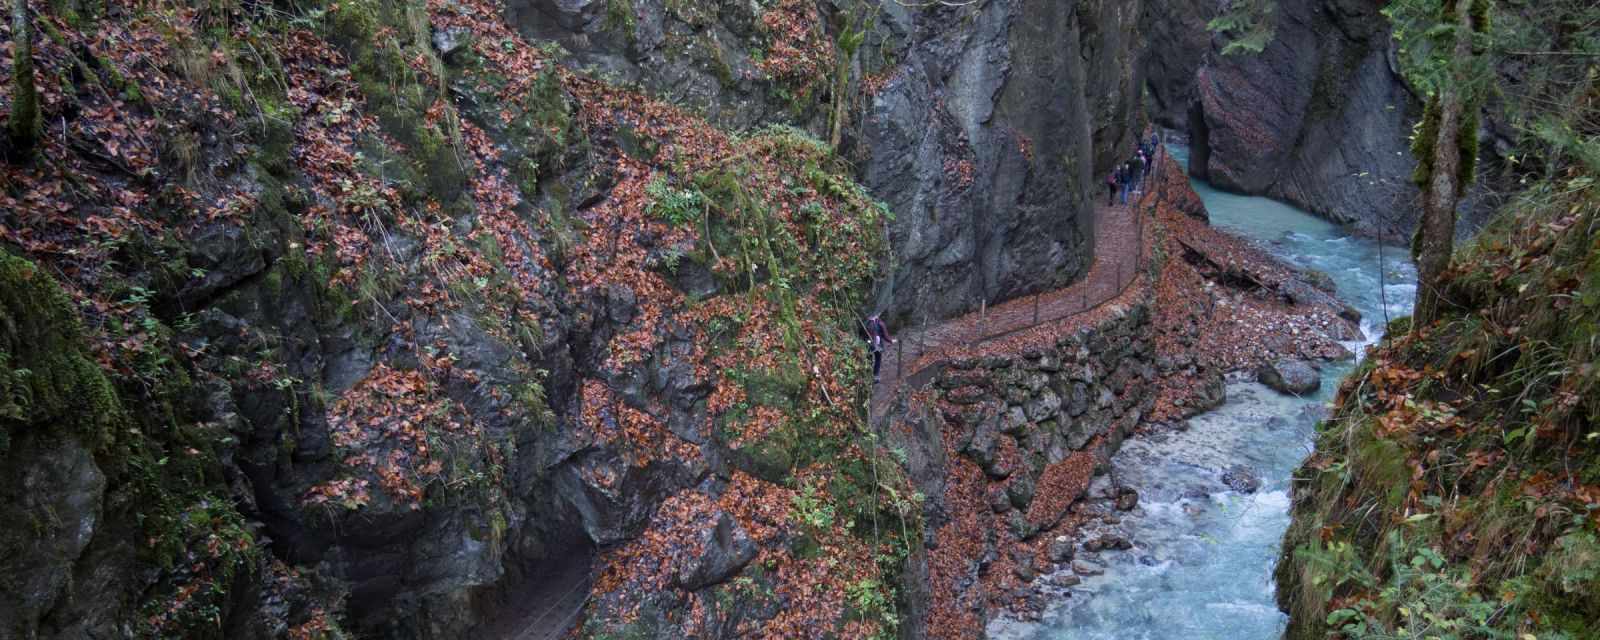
(47, 377)
(769, 459)
(380, 38)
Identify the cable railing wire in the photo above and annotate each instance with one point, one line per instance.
(986, 326)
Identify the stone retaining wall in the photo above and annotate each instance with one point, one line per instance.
(1002, 446)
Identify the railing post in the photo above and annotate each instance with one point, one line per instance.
(983, 319)
(899, 360)
(1036, 297)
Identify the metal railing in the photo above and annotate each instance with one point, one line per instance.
(1120, 245)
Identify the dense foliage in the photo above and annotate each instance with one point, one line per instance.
(1455, 491)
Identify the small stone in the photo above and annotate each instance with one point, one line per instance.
(1066, 580)
(1020, 490)
(1115, 543)
(999, 502)
(996, 362)
(1127, 499)
(1086, 568)
(967, 395)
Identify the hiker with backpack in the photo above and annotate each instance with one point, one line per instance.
(878, 339)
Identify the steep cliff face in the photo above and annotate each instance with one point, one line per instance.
(440, 318)
(1321, 118)
(740, 63)
(985, 137)
(374, 317)
(983, 126)
(1176, 46)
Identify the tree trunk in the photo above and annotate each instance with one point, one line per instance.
(25, 123)
(841, 85)
(1442, 189)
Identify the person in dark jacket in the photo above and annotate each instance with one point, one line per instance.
(878, 339)
(1125, 180)
(1111, 187)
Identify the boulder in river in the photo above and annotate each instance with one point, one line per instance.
(1241, 479)
(1114, 542)
(1065, 580)
(1294, 377)
(1060, 550)
(1127, 499)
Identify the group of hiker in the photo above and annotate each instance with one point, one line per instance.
(1125, 178)
(1128, 177)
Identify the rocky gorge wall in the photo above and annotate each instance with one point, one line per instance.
(987, 136)
(1320, 118)
(435, 319)
(1002, 446)
(397, 327)
(984, 126)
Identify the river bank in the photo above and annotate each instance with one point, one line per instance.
(1212, 467)
(1014, 443)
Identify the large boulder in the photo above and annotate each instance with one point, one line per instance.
(725, 549)
(1293, 377)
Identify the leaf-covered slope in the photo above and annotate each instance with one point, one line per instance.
(403, 316)
(1455, 492)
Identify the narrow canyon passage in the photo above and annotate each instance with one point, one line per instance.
(1214, 499)
(540, 319)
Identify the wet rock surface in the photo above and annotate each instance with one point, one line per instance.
(955, 141)
(1294, 377)
(1021, 452)
(1241, 479)
(1127, 499)
(1320, 118)
(726, 549)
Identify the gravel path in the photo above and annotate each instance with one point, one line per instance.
(919, 356)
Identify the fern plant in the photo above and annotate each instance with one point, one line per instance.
(1248, 25)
